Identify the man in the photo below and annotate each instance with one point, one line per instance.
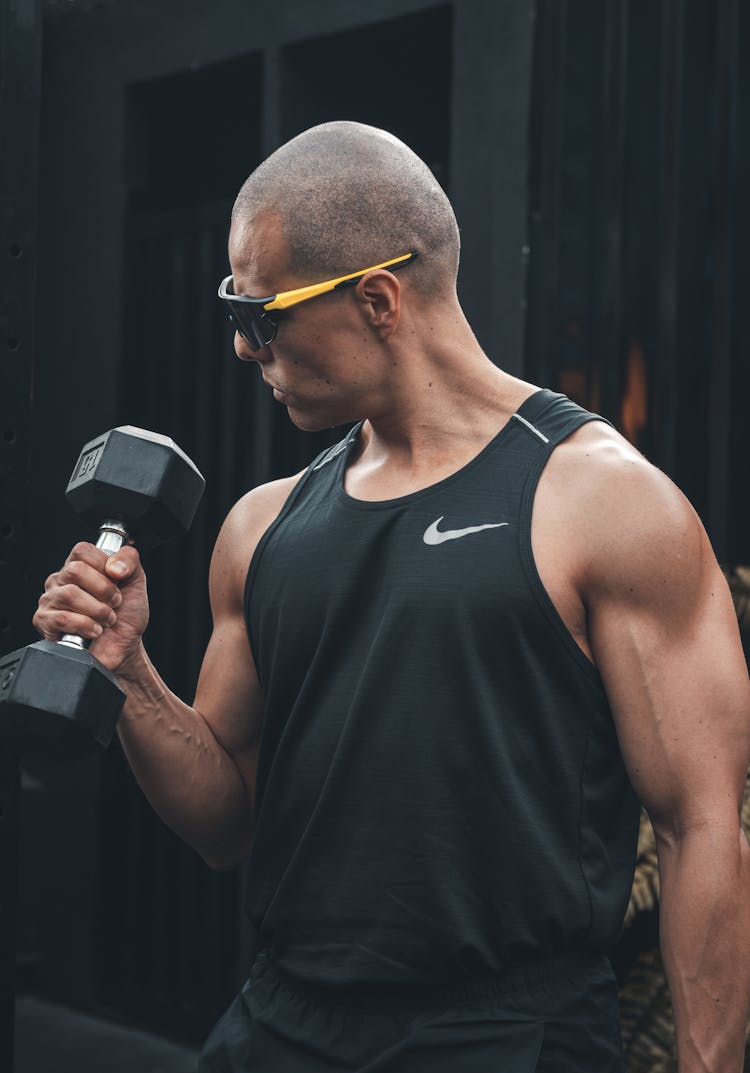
(440, 658)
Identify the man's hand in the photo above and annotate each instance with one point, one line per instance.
(101, 599)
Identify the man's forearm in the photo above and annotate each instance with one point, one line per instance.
(188, 778)
(705, 945)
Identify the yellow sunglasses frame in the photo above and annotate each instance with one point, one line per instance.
(285, 299)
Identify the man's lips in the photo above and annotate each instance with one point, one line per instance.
(277, 392)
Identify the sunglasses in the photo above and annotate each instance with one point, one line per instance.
(256, 319)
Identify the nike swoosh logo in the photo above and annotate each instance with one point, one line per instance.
(433, 536)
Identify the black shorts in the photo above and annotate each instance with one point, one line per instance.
(556, 1016)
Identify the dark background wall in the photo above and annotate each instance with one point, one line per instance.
(152, 115)
(594, 151)
(637, 218)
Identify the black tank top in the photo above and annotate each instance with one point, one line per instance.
(440, 791)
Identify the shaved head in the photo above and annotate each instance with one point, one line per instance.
(349, 196)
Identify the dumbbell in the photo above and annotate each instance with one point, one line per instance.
(133, 485)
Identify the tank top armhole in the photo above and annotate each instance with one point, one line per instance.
(542, 597)
(289, 502)
(260, 547)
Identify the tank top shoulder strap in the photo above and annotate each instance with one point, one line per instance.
(549, 418)
(334, 452)
(330, 454)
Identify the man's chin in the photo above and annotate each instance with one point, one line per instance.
(307, 421)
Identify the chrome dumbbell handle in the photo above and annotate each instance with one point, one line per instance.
(112, 536)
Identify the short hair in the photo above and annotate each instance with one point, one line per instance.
(349, 195)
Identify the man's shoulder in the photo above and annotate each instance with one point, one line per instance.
(628, 519)
(596, 462)
(242, 530)
(252, 514)
(599, 448)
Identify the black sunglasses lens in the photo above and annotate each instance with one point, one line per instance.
(256, 328)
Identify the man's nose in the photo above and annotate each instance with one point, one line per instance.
(244, 351)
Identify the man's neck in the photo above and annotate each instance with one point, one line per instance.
(443, 410)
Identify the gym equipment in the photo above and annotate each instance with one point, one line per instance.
(134, 485)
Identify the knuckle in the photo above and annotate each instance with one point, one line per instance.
(68, 622)
(81, 550)
(75, 570)
(66, 595)
(51, 581)
(104, 613)
(61, 577)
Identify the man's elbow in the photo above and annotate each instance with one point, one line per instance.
(715, 837)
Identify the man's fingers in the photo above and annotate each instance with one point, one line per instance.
(119, 567)
(73, 598)
(68, 608)
(87, 553)
(86, 577)
(53, 624)
(83, 596)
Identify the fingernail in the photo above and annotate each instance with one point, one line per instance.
(111, 618)
(97, 629)
(118, 567)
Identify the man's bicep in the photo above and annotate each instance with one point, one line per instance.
(665, 639)
(228, 694)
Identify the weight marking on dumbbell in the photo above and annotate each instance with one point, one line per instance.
(88, 461)
(9, 671)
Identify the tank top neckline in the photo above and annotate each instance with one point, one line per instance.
(398, 501)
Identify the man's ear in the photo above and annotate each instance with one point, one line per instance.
(379, 294)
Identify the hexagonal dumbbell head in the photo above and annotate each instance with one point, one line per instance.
(140, 478)
(58, 700)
